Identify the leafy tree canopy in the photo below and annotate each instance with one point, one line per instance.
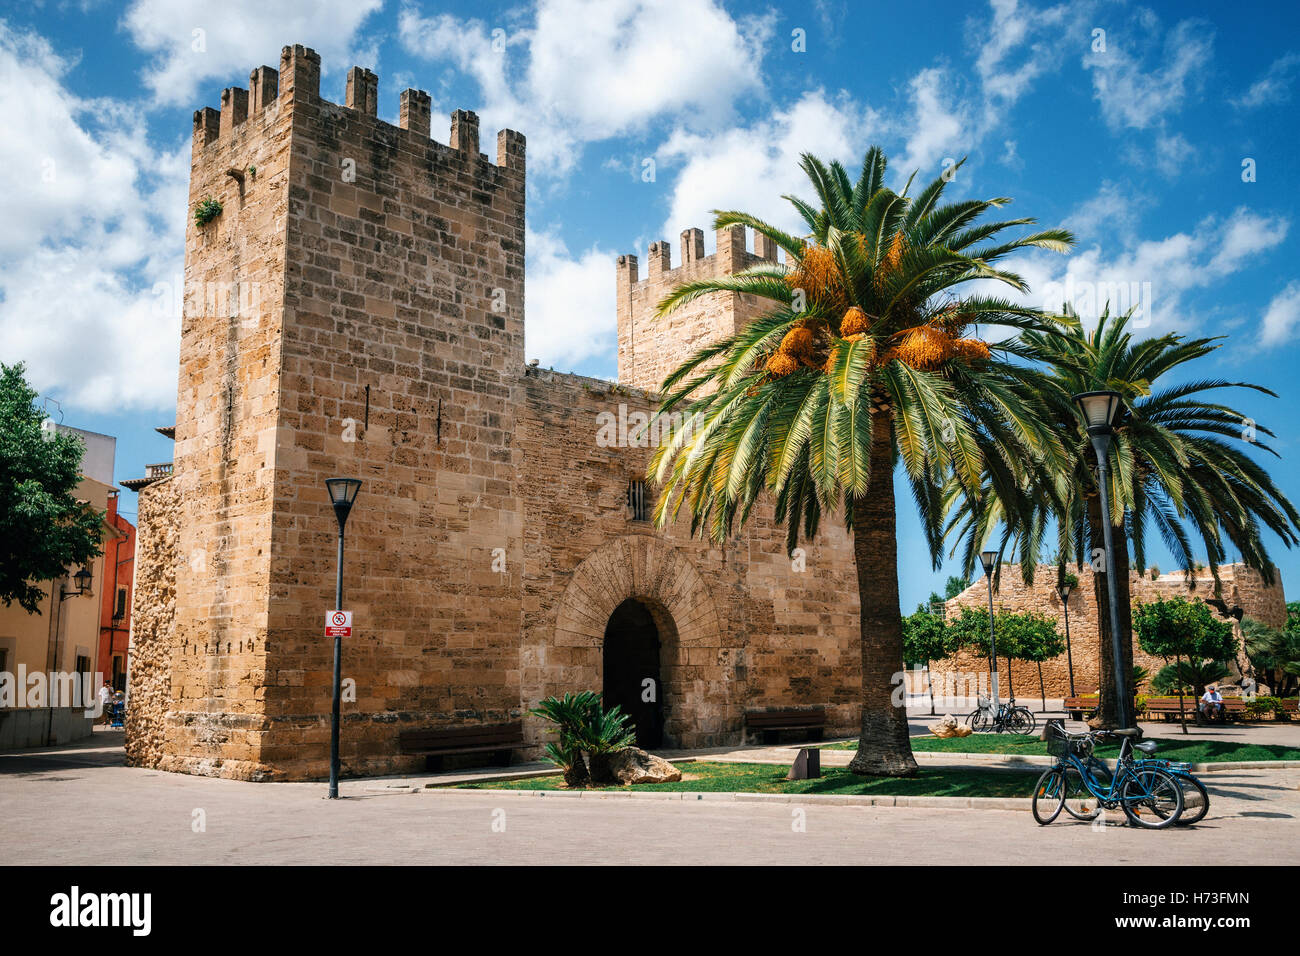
(1177, 627)
(44, 530)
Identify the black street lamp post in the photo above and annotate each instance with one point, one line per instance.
(990, 561)
(343, 491)
(1100, 410)
(1063, 592)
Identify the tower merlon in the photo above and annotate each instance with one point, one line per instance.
(298, 81)
(414, 112)
(464, 132)
(263, 89)
(234, 109)
(362, 92)
(299, 73)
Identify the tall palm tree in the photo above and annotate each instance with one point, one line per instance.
(869, 353)
(1179, 461)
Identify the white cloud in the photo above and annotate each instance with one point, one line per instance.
(198, 40)
(589, 71)
(940, 127)
(720, 170)
(1281, 316)
(1157, 275)
(570, 305)
(94, 218)
(1113, 211)
(1136, 95)
(1273, 87)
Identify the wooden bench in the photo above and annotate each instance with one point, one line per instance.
(1168, 708)
(771, 722)
(1080, 708)
(435, 744)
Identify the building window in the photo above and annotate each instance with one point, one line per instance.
(119, 673)
(638, 501)
(119, 611)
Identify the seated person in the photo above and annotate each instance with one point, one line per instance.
(1211, 702)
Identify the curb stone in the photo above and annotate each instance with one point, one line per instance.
(836, 799)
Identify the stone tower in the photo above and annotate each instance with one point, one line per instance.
(649, 347)
(355, 309)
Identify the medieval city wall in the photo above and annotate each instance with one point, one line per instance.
(743, 625)
(1242, 587)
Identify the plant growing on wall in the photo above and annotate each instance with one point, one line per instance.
(206, 211)
(869, 354)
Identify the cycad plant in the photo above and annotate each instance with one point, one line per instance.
(1180, 461)
(871, 351)
(587, 736)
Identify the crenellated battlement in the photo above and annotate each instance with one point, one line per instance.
(650, 347)
(298, 81)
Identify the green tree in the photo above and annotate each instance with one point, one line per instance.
(1178, 628)
(868, 354)
(954, 586)
(925, 640)
(1037, 640)
(1274, 652)
(45, 530)
(1019, 635)
(1180, 463)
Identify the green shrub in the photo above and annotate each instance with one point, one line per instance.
(206, 211)
(588, 734)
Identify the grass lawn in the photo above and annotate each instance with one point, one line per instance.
(769, 778)
(1169, 748)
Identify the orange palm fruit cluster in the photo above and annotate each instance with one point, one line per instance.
(798, 342)
(854, 321)
(969, 350)
(925, 347)
(779, 364)
(819, 277)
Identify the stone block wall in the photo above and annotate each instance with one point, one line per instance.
(153, 647)
(650, 347)
(1242, 587)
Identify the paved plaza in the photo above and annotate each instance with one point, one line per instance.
(145, 816)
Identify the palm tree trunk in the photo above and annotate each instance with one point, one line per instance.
(1107, 705)
(884, 748)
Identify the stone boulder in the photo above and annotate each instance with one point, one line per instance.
(633, 765)
(950, 726)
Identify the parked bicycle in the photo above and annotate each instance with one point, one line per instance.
(1196, 799)
(1150, 795)
(1009, 718)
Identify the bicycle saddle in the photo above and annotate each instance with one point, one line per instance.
(1128, 732)
(1146, 746)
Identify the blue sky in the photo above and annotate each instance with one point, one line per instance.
(1127, 123)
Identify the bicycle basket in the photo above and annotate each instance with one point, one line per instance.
(1056, 740)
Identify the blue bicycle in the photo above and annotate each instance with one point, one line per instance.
(1150, 795)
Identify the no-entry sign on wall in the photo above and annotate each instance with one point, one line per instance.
(338, 623)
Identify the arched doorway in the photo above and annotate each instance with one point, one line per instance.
(632, 677)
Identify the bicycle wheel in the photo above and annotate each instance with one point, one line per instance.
(977, 721)
(1152, 798)
(1196, 800)
(1079, 800)
(1049, 796)
(1022, 721)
